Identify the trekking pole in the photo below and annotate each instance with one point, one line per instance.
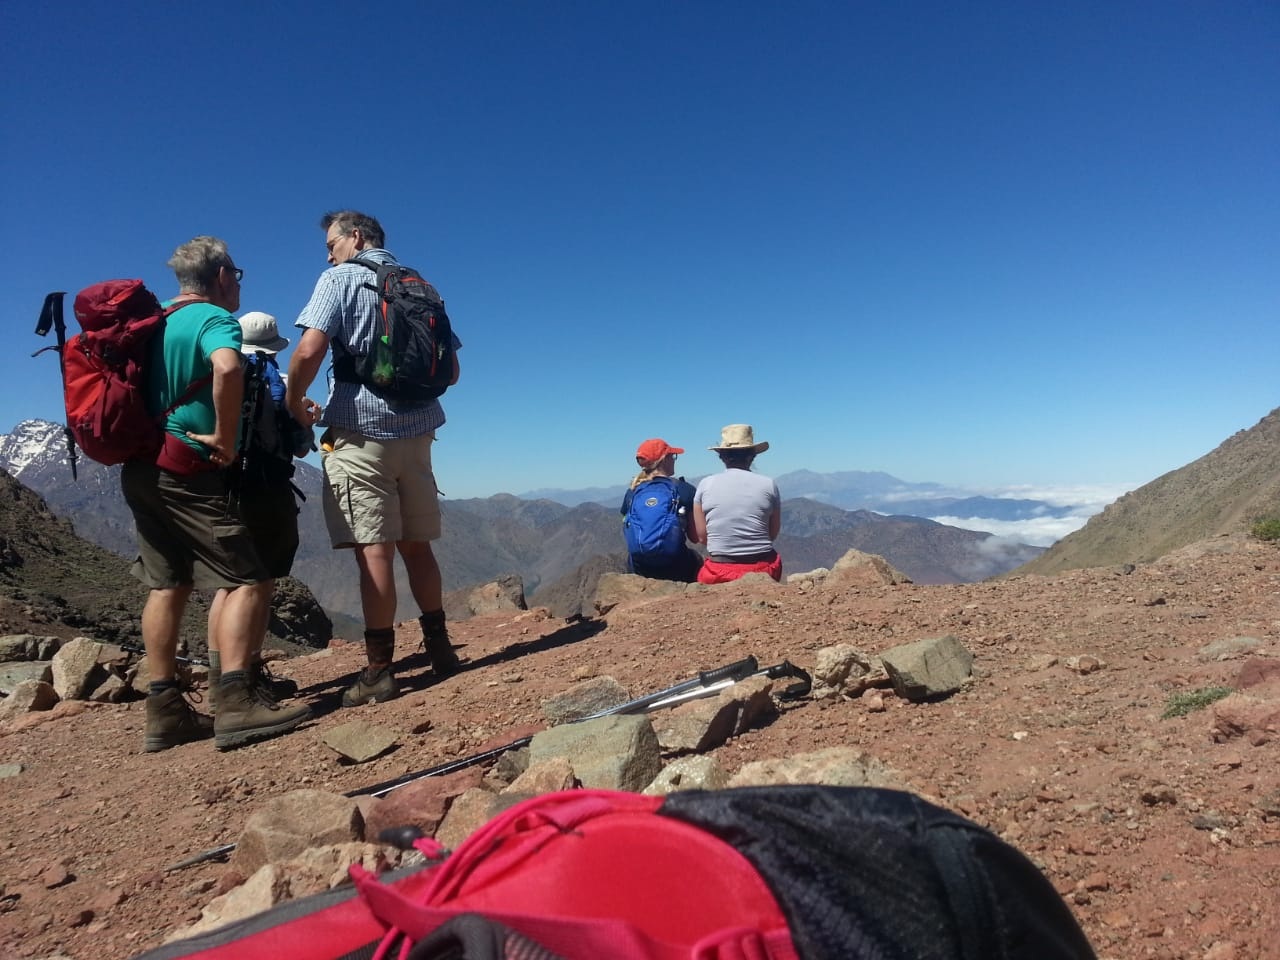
(134, 648)
(51, 317)
(705, 683)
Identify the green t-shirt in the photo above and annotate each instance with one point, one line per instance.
(180, 357)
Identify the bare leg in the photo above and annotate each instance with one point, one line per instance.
(161, 617)
(377, 584)
(237, 637)
(424, 574)
(259, 629)
(215, 614)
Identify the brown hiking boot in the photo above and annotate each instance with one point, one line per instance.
(374, 685)
(171, 720)
(277, 688)
(246, 714)
(435, 641)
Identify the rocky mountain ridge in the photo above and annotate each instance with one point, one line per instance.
(554, 549)
(1223, 492)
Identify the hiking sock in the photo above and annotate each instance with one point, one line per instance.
(233, 676)
(380, 646)
(215, 668)
(431, 619)
(157, 687)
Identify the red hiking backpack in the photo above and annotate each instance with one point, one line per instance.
(103, 370)
(754, 873)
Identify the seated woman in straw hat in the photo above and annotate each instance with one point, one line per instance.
(737, 513)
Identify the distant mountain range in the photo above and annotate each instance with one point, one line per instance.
(857, 490)
(557, 548)
(560, 550)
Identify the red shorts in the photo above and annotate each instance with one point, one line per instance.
(715, 571)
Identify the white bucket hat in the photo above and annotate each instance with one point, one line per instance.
(260, 333)
(739, 436)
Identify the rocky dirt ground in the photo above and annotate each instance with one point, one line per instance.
(1165, 842)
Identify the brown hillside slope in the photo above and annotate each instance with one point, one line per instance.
(1222, 492)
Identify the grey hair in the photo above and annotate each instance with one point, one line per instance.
(196, 264)
(348, 220)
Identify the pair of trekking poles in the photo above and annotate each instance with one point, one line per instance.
(706, 683)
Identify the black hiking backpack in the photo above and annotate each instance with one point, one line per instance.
(411, 357)
(270, 437)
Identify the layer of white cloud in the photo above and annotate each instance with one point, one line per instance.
(1089, 497)
(1039, 532)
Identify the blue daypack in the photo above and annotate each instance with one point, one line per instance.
(653, 527)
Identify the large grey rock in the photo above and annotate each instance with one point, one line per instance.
(360, 741)
(689, 773)
(837, 669)
(835, 766)
(76, 670)
(14, 672)
(503, 595)
(29, 696)
(610, 753)
(614, 589)
(27, 646)
(291, 823)
(584, 700)
(856, 568)
(1227, 648)
(928, 668)
(549, 776)
(703, 725)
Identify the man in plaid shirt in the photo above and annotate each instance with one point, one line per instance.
(380, 494)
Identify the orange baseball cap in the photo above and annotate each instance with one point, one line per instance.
(651, 451)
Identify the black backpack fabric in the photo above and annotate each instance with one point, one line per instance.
(869, 873)
(272, 438)
(411, 357)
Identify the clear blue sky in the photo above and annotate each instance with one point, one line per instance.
(979, 244)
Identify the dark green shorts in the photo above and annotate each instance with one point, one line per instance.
(271, 513)
(188, 533)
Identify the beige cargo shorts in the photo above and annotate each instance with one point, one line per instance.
(379, 491)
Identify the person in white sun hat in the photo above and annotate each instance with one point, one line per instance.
(261, 484)
(737, 513)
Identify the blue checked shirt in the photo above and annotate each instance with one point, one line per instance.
(345, 308)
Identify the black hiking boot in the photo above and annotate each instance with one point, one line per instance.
(435, 641)
(247, 714)
(171, 721)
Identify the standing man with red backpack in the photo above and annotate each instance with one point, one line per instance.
(189, 535)
(394, 353)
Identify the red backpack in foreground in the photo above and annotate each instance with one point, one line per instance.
(103, 370)
(754, 873)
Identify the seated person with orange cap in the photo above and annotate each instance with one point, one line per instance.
(656, 511)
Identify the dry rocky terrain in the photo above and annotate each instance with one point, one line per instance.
(1162, 833)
